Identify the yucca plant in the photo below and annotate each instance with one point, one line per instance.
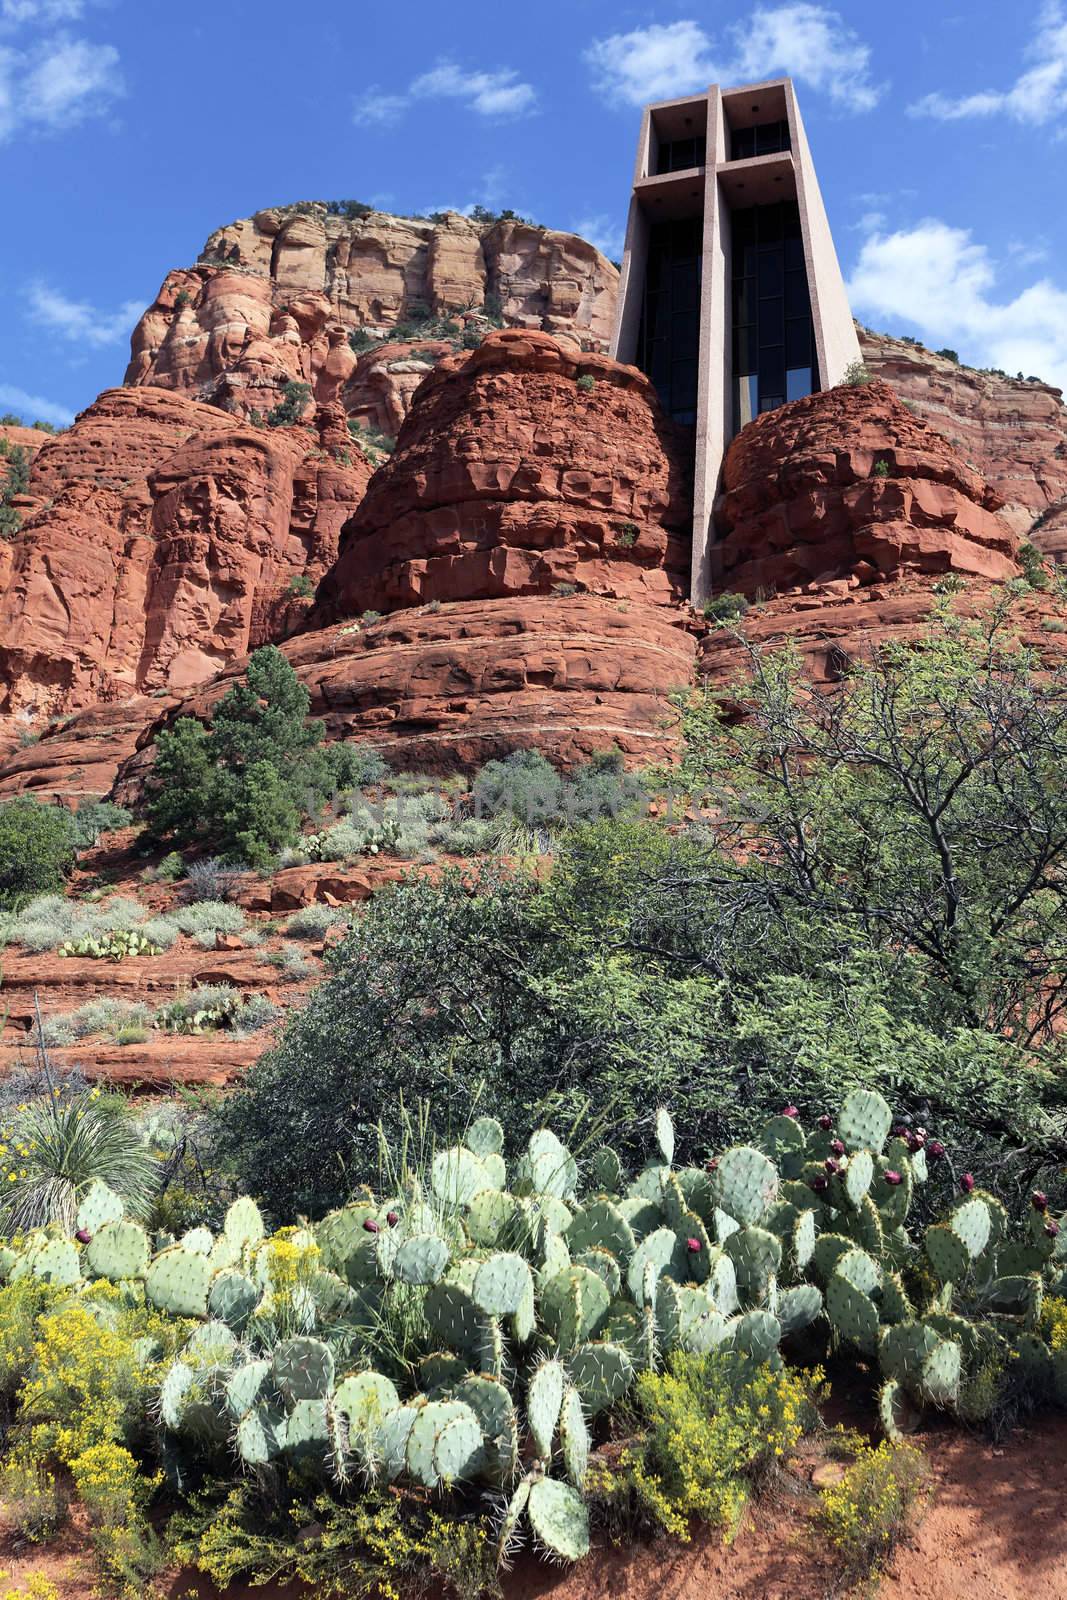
(57, 1143)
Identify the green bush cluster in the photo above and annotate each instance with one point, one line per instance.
(38, 845)
(243, 783)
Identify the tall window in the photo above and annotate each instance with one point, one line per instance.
(773, 336)
(766, 140)
(678, 155)
(668, 343)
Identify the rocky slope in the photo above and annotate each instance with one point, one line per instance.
(161, 538)
(275, 297)
(1012, 431)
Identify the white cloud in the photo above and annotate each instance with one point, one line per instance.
(604, 232)
(936, 277)
(1037, 96)
(491, 94)
(56, 83)
(79, 321)
(17, 13)
(34, 407)
(805, 41)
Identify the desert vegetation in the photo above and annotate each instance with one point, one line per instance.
(662, 1104)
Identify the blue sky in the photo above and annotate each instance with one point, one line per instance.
(130, 129)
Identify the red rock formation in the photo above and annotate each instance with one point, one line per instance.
(448, 689)
(833, 627)
(276, 295)
(148, 552)
(1011, 431)
(522, 466)
(849, 485)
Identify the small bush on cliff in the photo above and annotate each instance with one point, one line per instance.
(37, 850)
(242, 783)
(290, 409)
(857, 372)
(725, 607)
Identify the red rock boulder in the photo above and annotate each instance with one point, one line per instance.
(522, 466)
(849, 485)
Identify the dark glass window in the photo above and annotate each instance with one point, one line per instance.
(669, 338)
(678, 155)
(767, 140)
(773, 335)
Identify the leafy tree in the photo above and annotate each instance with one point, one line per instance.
(242, 784)
(37, 851)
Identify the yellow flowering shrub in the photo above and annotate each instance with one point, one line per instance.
(713, 1424)
(867, 1513)
(36, 1587)
(1054, 1321)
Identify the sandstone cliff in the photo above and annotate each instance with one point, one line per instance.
(1012, 431)
(276, 296)
(160, 540)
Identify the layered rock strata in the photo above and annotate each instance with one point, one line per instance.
(275, 297)
(521, 468)
(161, 539)
(849, 485)
(1011, 430)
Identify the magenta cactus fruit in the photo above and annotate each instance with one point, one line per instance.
(892, 1178)
(371, 1226)
(935, 1149)
(967, 1182)
(693, 1246)
(711, 1166)
(826, 1122)
(392, 1218)
(915, 1140)
(1052, 1230)
(83, 1236)
(790, 1111)
(831, 1166)
(820, 1184)
(838, 1147)
(1039, 1200)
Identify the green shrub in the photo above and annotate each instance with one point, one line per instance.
(94, 818)
(37, 851)
(102, 1015)
(50, 920)
(626, 535)
(212, 1007)
(880, 469)
(949, 355)
(857, 373)
(211, 879)
(313, 922)
(290, 409)
(587, 383)
(205, 918)
(1032, 563)
(725, 607)
(300, 586)
(241, 784)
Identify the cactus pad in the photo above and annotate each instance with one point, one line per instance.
(602, 1371)
(485, 1137)
(746, 1184)
(99, 1204)
(665, 1135)
(574, 1437)
(422, 1259)
(544, 1398)
(456, 1175)
(798, 1307)
(559, 1519)
(303, 1369)
(947, 1252)
(500, 1284)
(232, 1298)
(864, 1121)
(178, 1281)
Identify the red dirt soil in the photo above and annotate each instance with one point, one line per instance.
(994, 1530)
